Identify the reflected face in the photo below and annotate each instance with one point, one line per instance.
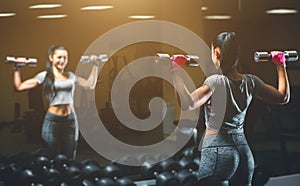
(59, 59)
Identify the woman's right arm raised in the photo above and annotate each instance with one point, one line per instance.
(281, 94)
(25, 85)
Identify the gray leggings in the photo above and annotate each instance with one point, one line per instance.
(61, 134)
(228, 157)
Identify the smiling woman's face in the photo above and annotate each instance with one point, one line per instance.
(59, 59)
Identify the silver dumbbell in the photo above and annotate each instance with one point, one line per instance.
(101, 58)
(191, 59)
(21, 61)
(291, 56)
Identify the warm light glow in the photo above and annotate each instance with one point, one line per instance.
(141, 17)
(218, 17)
(282, 11)
(204, 8)
(96, 7)
(51, 16)
(7, 14)
(42, 6)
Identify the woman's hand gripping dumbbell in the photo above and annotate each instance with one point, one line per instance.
(179, 60)
(21, 61)
(277, 56)
(102, 58)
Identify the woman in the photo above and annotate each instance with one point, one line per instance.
(225, 153)
(60, 127)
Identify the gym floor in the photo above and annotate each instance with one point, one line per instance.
(267, 150)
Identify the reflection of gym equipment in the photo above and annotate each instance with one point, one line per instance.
(35, 115)
(39, 169)
(168, 172)
(187, 129)
(42, 168)
(291, 56)
(18, 120)
(21, 61)
(30, 121)
(101, 58)
(188, 60)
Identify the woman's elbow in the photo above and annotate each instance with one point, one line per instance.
(18, 88)
(281, 100)
(87, 85)
(187, 107)
(92, 86)
(285, 100)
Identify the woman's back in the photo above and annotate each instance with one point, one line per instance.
(230, 100)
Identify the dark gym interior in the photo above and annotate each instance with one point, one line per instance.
(273, 131)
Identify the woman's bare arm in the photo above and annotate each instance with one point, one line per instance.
(25, 85)
(91, 81)
(190, 101)
(281, 95)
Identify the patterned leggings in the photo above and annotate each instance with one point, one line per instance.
(228, 157)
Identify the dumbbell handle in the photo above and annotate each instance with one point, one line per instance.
(290, 56)
(192, 57)
(23, 60)
(101, 58)
(191, 60)
(167, 56)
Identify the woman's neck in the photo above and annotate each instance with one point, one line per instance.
(234, 74)
(57, 72)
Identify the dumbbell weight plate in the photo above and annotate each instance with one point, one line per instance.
(150, 169)
(167, 179)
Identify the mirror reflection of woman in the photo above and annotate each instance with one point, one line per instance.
(60, 126)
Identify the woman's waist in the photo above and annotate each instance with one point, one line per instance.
(60, 118)
(61, 110)
(223, 131)
(223, 138)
